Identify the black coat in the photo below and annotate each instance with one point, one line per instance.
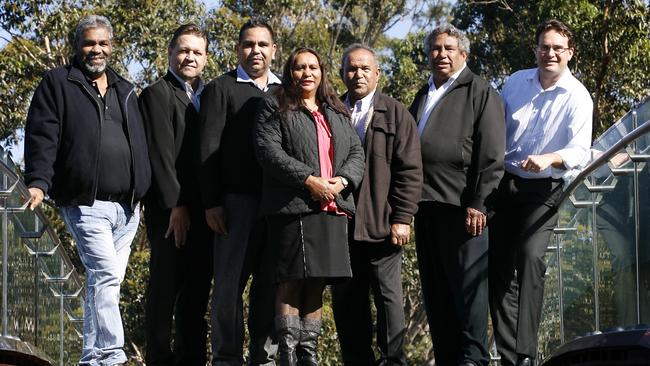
(62, 138)
(463, 143)
(171, 124)
(287, 148)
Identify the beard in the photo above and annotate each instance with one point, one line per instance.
(92, 68)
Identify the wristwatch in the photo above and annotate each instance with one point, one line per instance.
(344, 182)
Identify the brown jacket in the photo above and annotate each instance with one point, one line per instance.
(392, 181)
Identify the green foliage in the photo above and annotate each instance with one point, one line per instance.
(611, 40)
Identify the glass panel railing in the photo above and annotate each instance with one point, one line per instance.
(602, 278)
(41, 290)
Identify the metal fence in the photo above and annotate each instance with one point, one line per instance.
(42, 299)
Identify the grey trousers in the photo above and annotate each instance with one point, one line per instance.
(376, 267)
(243, 252)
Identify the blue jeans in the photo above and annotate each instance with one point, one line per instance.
(103, 233)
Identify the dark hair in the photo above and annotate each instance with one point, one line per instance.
(289, 99)
(254, 23)
(191, 29)
(556, 25)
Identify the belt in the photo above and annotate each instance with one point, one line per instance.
(113, 197)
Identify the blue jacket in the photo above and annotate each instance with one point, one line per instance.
(62, 138)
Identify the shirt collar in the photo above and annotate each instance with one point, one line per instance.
(242, 77)
(186, 85)
(451, 79)
(364, 102)
(563, 82)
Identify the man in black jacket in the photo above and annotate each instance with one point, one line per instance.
(180, 265)
(85, 146)
(461, 123)
(231, 181)
(386, 202)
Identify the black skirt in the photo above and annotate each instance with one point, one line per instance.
(310, 246)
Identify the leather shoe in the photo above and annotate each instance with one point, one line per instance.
(467, 363)
(525, 361)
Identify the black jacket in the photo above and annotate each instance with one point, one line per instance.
(463, 143)
(227, 162)
(287, 149)
(62, 138)
(392, 181)
(171, 123)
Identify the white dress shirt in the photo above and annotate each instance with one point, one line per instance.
(194, 95)
(433, 97)
(555, 120)
(242, 77)
(359, 113)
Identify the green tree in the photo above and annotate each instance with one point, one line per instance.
(611, 39)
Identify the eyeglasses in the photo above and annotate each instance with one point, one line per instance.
(558, 50)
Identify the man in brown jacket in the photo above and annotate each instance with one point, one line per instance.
(386, 202)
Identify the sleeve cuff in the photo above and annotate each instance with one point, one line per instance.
(38, 183)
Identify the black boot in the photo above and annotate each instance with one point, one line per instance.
(309, 333)
(287, 329)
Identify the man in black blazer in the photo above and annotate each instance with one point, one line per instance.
(181, 241)
(462, 135)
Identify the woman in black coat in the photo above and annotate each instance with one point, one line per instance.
(312, 161)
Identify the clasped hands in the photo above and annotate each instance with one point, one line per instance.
(324, 189)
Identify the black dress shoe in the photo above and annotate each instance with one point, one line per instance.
(525, 361)
(467, 363)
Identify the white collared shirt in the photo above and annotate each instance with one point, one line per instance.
(360, 114)
(242, 77)
(195, 96)
(433, 97)
(555, 120)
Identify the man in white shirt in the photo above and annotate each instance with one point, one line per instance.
(548, 132)
(462, 137)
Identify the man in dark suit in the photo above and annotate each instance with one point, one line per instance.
(462, 134)
(181, 241)
(386, 202)
(231, 185)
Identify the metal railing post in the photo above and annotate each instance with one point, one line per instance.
(637, 221)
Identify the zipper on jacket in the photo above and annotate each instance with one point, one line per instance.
(128, 129)
(101, 123)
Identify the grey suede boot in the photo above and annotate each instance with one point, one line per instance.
(287, 329)
(309, 333)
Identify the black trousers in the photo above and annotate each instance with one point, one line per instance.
(519, 234)
(453, 273)
(376, 267)
(179, 289)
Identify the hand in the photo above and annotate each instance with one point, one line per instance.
(179, 224)
(400, 234)
(619, 159)
(36, 196)
(475, 221)
(216, 219)
(537, 163)
(336, 184)
(320, 189)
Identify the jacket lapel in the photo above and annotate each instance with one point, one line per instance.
(179, 89)
(464, 78)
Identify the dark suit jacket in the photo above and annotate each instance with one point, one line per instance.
(463, 143)
(392, 182)
(171, 124)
